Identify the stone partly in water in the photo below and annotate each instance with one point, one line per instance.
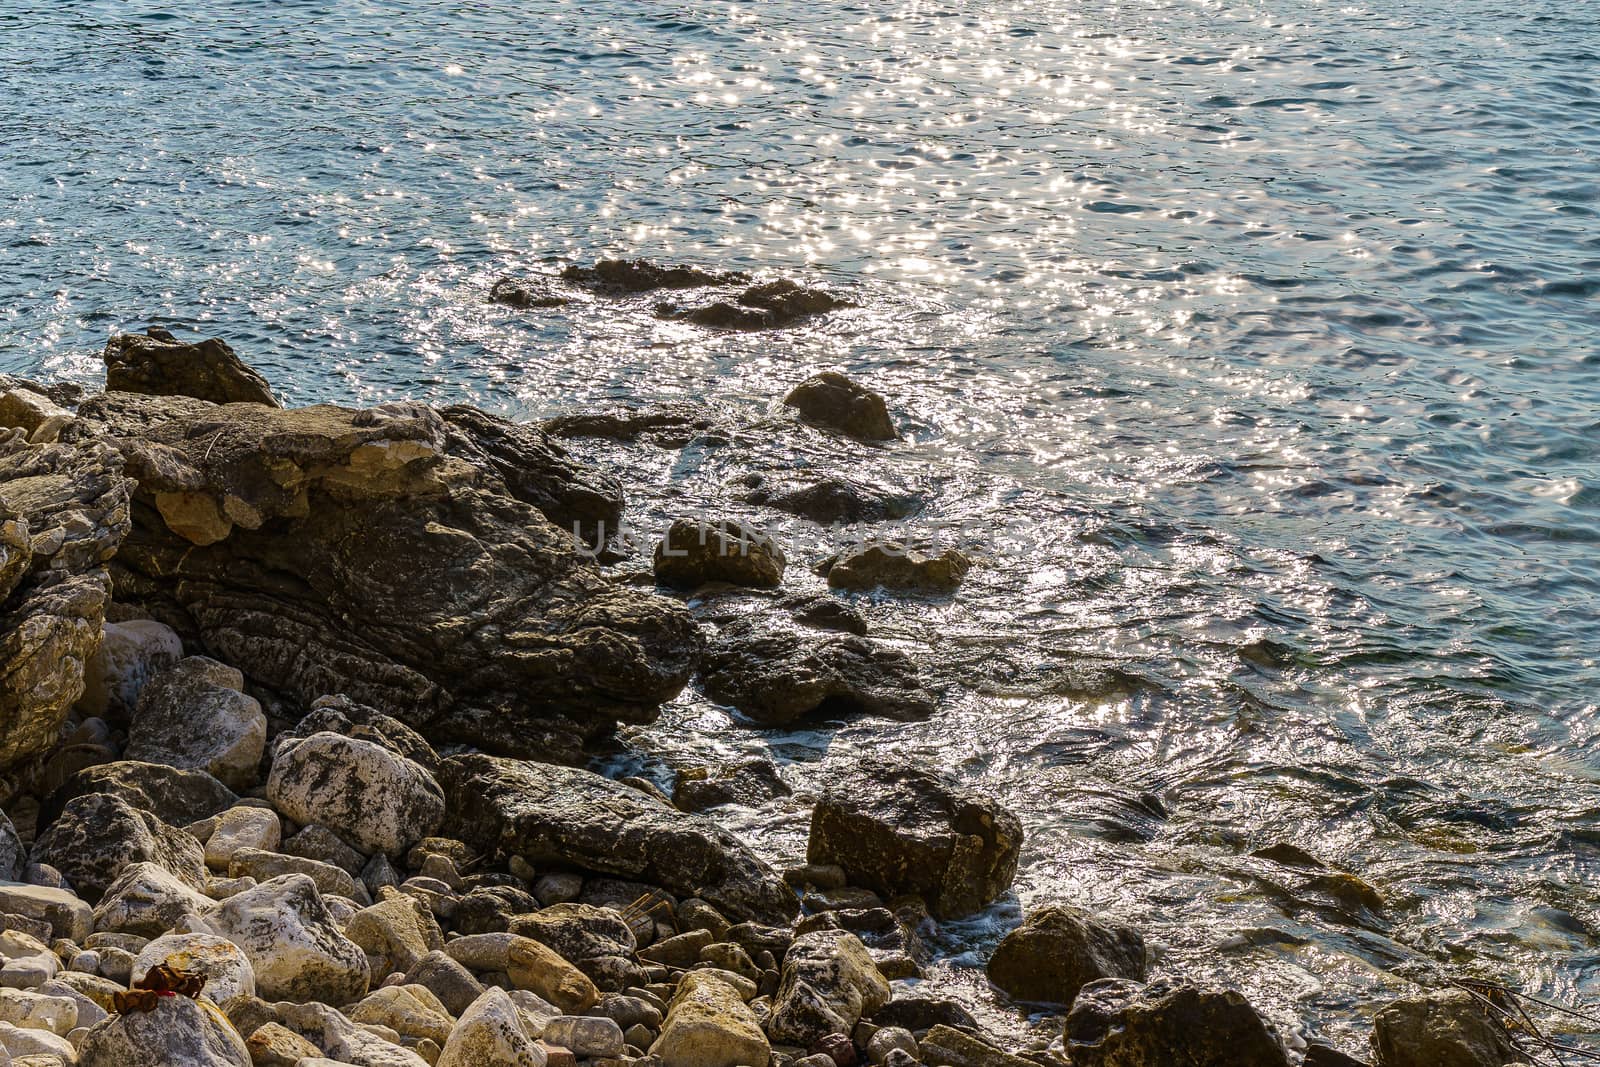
(832, 500)
(776, 674)
(709, 1025)
(894, 566)
(693, 553)
(750, 782)
(1058, 950)
(767, 306)
(98, 836)
(901, 829)
(275, 538)
(159, 364)
(377, 800)
(528, 293)
(618, 277)
(559, 815)
(1445, 1028)
(1118, 1023)
(834, 402)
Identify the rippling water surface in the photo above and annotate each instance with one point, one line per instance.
(1266, 329)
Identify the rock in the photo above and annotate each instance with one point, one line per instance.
(562, 816)
(945, 1046)
(490, 1033)
(227, 972)
(262, 865)
(834, 500)
(629, 1011)
(446, 979)
(588, 1037)
(342, 1040)
(377, 800)
(749, 782)
(33, 1010)
(130, 654)
(887, 1039)
(536, 292)
(680, 951)
(829, 984)
(98, 836)
(894, 566)
(409, 1010)
(35, 1048)
(275, 1045)
(13, 853)
(821, 612)
(834, 402)
(160, 365)
(271, 538)
(490, 909)
(709, 1025)
(148, 900)
(317, 842)
(68, 916)
(28, 410)
(530, 966)
(178, 1031)
(1057, 950)
(577, 932)
(665, 426)
(617, 277)
(28, 962)
(900, 829)
(1319, 1055)
(64, 512)
(187, 718)
(776, 674)
(296, 950)
(693, 553)
(174, 796)
(1441, 1028)
(398, 931)
(1118, 1023)
(341, 715)
(768, 306)
(557, 887)
(242, 828)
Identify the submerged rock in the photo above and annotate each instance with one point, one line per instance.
(833, 500)
(559, 815)
(834, 402)
(159, 364)
(900, 829)
(695, 552)
(624, 276)
(535, 292)
(1444, 1028)
(665, 426)
(775, 674)
(750, 782)
(1057, 950)
(894, 566)
(767, 306)
(1117, 1023)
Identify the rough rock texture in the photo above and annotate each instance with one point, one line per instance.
(767, 306)
(294, 946)
(227, 971)
(577, 932)
(341, 715)
(147, 900)
(157, 363)
(1445, 1028)
(693, 553)
(178, 1031)
(834, 402)
(99, 835)
(195, 717)
(130, 654)
(530, 965)
(175, 796)
(559, 815)
(368, 795)
(490, 1033)
(829, 984)
(775, 673)
(618, 277)
(900, 829)
(68, 916)
(1117, 1023)
(1058, 950)
(398, 555)
(535, 292)
(749, 782)
(665, 425)
(64, 511)
(342, 1040)
(945, 1046)
(1319, 1055)
(13, 853)
(894, 566)
(708, 1025)
(833, 500)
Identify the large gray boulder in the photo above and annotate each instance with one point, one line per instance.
(370, 796)
(98, 836)
(195, 716)
(1118, 1023)
(171, 794)
(561, 815)
(829, 983)
(898, 829)
(295, 946)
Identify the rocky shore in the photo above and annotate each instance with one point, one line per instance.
(299, 703)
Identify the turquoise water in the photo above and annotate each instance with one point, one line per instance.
(1269, 329)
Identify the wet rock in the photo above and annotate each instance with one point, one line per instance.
(172, 795)
(98, 836)
(776, 674)
(900, 829)
(195, 717)
(663, 426)
(893, 941)
(750, 782)
(1118, 1023)
(834, 500)
(822, 612)
(693, 553)
(1443, 1028)
(620, 277)
(160, 365)
(293, 944)
(709, 1025)
(398, 932)
(64, 512)
(1057, 950)
(491, 1033)
(377, 800)
(1319, 1055)
(834, 402)
(272, 538)
(829, 984)
(147, 900)
(130, 654)
(767, 306)
(561, 816)
(527, 293)
(227, 972)
(894, 566)
(66, 915)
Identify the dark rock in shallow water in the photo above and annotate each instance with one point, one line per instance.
(834, 402)
(624, 276)
(160, 365)
(324, 550)
(667, 426)
(1444, 1028)
(694, 552)
(900, 829)
(834, 500)
(775, 674)
(564, 816)
(768, 306)
(749, 782)
(1117, 1023)
(920, 1013)
(1058, 950)
(175, 796)
(894, 566)
(535, 292)
(97, 836)
(822, 612)
(1318, 1055)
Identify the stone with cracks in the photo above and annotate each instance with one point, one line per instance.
(693, 553)
(829, 983)
(1442, 1028)
(158, 363)
(173, 795)
(490, 1033)
(368, 795)
(1118, 1023)
(1057, 950)
(195, 717)
(295, 947)
(709, 1025)
(178, 1031)
(98, 836)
